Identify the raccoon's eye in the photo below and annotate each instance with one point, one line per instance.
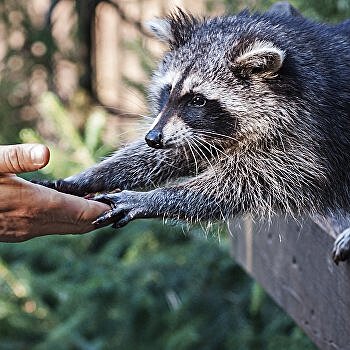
(198, 101)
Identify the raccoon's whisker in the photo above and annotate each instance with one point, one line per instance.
(133, 97)
(157, 170)
(139, 129)
(194, 157)
(143, 124)
(216, 149)
(138, 115)
(213, 134)
(171, 163)
(145, 116)
(122, 112)
(167, 163)
(202, 152)
(206, 147)
(185, 153)
(210, 148)
(196, 149)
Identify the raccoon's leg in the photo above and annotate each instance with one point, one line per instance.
(341, 248)
(199, 199)
(134, 167)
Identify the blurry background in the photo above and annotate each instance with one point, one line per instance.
(73, 75)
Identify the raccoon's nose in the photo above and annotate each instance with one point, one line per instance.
(154, 139)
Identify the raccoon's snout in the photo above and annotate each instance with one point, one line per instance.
(154, 139)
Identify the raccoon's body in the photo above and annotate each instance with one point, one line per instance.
(252, 110)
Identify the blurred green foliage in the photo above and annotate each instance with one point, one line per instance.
(146, 286)
(82, 148)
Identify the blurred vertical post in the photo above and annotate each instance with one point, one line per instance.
(107, 55)
(118, 63)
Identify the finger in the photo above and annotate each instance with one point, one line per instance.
(30, 210)
(76, 214)
(69, 215)
(23, 157)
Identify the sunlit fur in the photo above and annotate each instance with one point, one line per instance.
(275, 137)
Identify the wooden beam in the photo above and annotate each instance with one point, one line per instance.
(293, 264)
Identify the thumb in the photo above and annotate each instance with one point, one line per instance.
(22, 158)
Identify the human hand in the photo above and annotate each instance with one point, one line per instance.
(28, 210)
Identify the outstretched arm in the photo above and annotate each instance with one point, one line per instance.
(201, 198)
(134, 167)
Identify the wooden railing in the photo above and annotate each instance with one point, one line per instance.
(292, 262)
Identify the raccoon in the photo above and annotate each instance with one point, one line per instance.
(251, 115)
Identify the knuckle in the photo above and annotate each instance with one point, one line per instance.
(12, 160)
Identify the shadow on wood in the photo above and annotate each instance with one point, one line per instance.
(293, 263)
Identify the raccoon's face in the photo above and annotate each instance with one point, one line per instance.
(185, 110)
(205, 89)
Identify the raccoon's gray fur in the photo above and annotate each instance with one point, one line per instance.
(253, 110)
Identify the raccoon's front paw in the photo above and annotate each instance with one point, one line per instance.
(61, 186)
(126, 206)
(341, 248)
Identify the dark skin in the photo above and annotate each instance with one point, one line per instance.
(28, 210)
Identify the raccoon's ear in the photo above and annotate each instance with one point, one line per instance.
(262, 58)
(161, 29)
(283, 8)
(175, 29)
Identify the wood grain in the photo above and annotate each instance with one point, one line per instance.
(293, 264)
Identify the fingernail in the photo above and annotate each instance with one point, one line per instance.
(37, 154)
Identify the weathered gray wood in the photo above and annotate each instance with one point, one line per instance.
(293, 263)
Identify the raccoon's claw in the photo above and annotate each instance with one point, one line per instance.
(118, 217)
(104, 198)
(126, 206)
(341, 248)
